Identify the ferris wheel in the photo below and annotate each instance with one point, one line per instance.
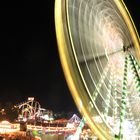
(100, 54)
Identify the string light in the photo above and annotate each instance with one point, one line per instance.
(123, 100)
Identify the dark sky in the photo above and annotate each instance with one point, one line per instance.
(29, 61)
(134, 9)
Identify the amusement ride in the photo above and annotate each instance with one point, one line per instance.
(100, 55)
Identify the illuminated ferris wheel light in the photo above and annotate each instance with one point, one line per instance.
(100, 54)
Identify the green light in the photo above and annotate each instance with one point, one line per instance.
(123, 100)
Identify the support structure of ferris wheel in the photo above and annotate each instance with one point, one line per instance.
(100, 53)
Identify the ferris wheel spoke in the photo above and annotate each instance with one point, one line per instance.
(108, 97)
(101, 82)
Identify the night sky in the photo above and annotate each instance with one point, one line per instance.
(29, 60)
